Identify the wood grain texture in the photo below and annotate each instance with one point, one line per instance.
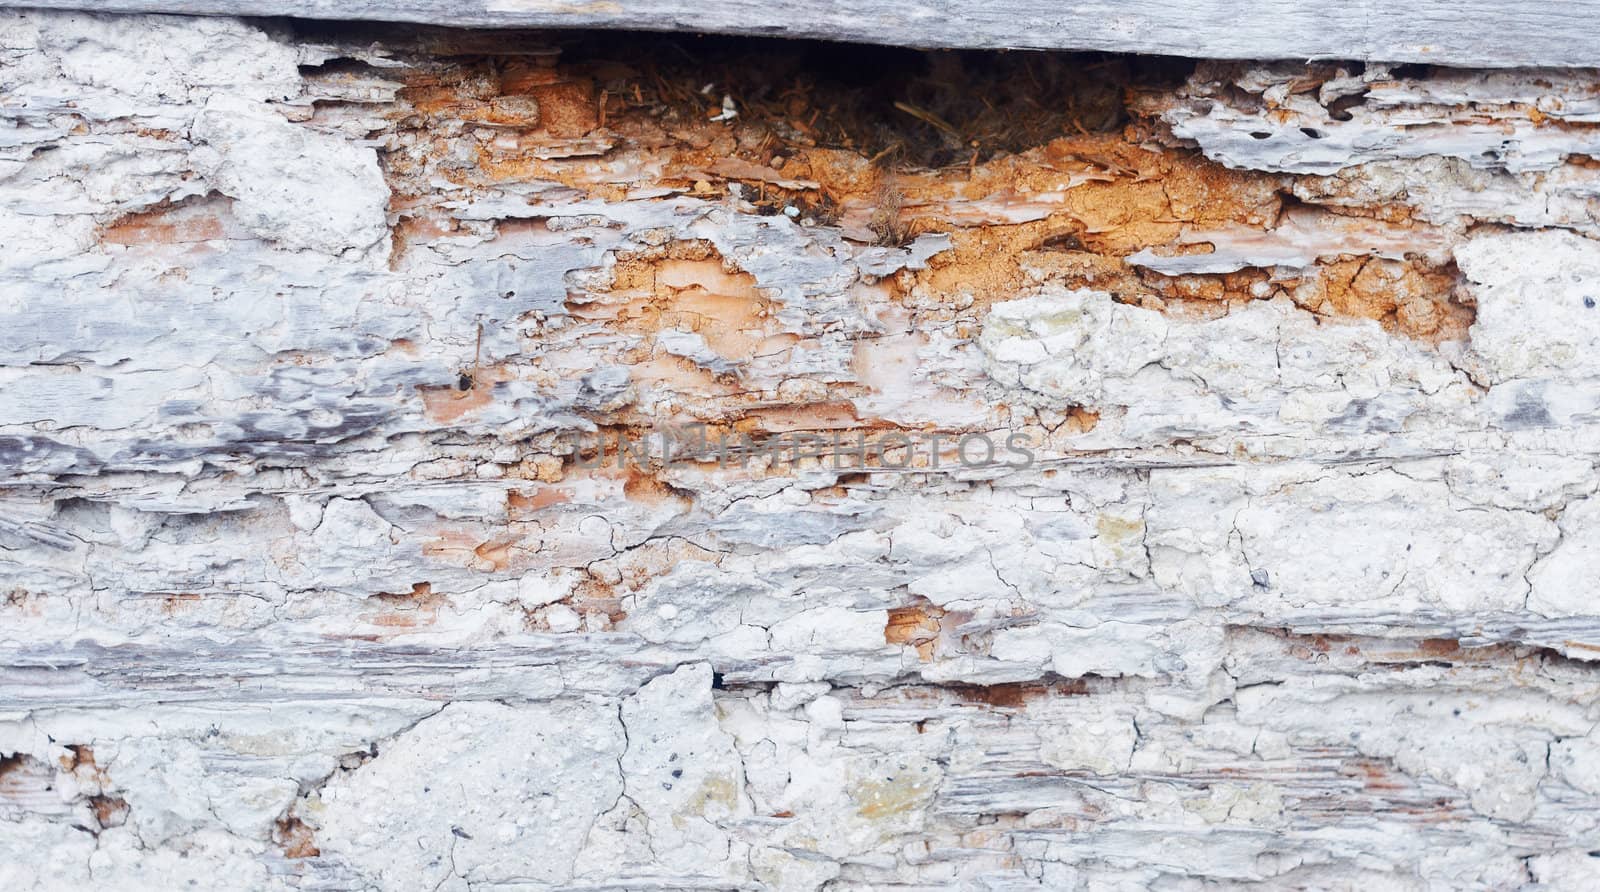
(310, 579)
(1465, 32)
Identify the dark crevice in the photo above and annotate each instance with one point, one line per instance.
(903, 107)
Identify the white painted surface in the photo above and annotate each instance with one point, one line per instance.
(1310, 606)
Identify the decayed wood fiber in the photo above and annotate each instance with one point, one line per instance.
(321, 572)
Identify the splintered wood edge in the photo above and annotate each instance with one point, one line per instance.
(1487, 33)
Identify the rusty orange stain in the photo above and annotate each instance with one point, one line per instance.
(164, 226)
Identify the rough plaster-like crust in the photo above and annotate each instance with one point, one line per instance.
(1288, 598)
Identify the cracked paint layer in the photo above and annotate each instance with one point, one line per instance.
(308, 580)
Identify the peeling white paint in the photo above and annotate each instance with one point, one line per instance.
(302, 589)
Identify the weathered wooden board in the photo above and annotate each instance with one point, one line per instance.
(1443, 32)
(306, 581)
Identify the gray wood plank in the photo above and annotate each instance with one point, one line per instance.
(1494, 33)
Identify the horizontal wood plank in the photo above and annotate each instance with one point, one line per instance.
(1494, 33)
